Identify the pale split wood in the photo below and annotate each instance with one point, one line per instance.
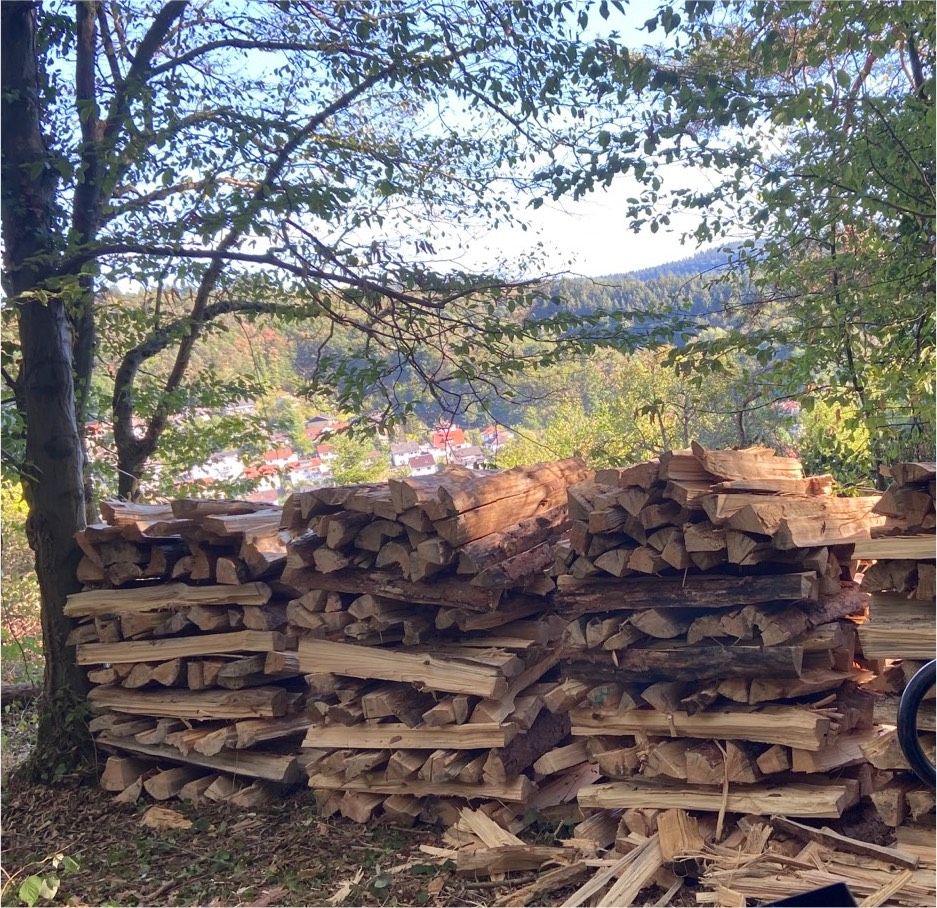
(274, 767)
(163, 597)
(793, 799)
(180, 647)
(624, 891)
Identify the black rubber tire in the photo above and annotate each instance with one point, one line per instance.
(908, 737)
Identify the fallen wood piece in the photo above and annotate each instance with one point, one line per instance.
(887, 890)
(835, 840)
(274, 767)
(647, 862)
(794, 799)
(547, 881)
(600, 880)
(508, 858)
(886, 547)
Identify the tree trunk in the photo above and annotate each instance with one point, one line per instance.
(45, 394)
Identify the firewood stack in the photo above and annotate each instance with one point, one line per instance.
(427, 639)
(900, 635)
(188, 660)
(709, 595)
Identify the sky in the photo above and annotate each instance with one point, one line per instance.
(590, 237)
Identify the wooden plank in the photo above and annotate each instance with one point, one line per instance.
(713, 591)
(486, 488)
(893, 635)
(470, 736)
(811, 485)
(494, 517)
(165, 596)
(180, 647)
(450, 592)
(792, 726)
(920, 546)
(687, 663)
(260, 765)
(748, 463)
(258, 702)
(795, 799)
(453, 674)
(516, 790)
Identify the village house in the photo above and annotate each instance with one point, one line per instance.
(224, 467)
(279, 457)
(422, 465)
(470, 456)
(401, 452)
(495, 437)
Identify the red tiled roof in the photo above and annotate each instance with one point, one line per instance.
(325, 449)
(279, 454)
(444, 437)
(421, 461)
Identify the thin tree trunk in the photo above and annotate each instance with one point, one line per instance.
(44, 388)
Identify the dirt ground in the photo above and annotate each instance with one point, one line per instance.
(283, 855)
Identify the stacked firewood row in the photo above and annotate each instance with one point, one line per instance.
(712, 594)
(428, 644)
(182, 625)
(481, 648)
(900, 635)
(492, 531)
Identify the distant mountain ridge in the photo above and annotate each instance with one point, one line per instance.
(706, 260)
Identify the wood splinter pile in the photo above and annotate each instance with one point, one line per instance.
(900, 637)
(428, 641)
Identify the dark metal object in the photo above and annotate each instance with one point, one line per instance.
(908, 736)
(828, 897)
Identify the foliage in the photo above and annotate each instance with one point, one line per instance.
(614, 409)
(814, 126)
(44, 885)
(21, 642)
(834, 439)
(309, 164)
(357, 460)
